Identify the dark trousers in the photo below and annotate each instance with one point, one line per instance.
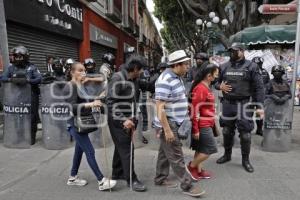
(260, 124)
(171, 155)
(34, 116)
(143, 108)
(84, 145)
(235, 116)
(121, 159)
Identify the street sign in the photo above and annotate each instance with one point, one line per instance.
(271, 9)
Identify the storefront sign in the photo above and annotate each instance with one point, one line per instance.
(60, 16)
(101, 37)
(278, 9)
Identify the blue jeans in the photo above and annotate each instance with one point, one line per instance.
(83, 144)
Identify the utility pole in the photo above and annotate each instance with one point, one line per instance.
(297, 45)
(4, 61)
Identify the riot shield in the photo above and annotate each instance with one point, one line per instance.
(277, 127)
(54, 112)
(17, 115)
(94, 89)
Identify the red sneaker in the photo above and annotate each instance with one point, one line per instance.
(204, 174)
(193, 172)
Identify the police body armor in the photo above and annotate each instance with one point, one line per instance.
(280, 89)
(265, 76)
(106, 70)
(239, 79)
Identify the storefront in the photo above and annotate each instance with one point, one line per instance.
(102, 36)
(45, 27)
(101, 42)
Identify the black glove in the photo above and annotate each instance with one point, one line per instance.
(276, 99)
(286, 97)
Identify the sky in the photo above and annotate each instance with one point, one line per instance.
(150, 6)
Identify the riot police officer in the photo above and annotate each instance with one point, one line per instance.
(266, 79)
(68, 64)
(21, 67)
(240, 81)
(278, 89)
(202, 60)
(90, 66)
(108, 66)
(57, 72)
(58, 69)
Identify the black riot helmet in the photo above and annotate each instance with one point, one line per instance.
(258, 60)
(162, 66)
(21, 55)
(58, 65)
(89, 65)
(109, 58)
(68, 64)
(278, 69)
(202, 56)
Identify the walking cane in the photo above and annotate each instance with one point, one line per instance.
(132, 132)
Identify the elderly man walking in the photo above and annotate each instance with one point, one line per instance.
(172, 108)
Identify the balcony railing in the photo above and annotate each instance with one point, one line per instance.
(129, 24)
(113, 12)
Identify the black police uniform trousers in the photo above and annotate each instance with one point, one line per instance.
(235, 115)
(121, 158)
(34, 113)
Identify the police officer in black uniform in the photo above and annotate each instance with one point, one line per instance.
(240, 81)
(58, 69)
(278, 89)
(68, 64)
(202, 60)
(90, 66)
(108, 66)
(21, 67)
(266, 79)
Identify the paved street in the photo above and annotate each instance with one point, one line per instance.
(39, 174)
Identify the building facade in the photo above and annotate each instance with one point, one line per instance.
(77, 28)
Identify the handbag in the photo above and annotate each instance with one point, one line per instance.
(216, 131)
(185, 129)
(85, 124)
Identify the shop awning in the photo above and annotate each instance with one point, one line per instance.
(267, 34)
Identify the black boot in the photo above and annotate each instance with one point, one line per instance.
(228, 139)
(245, 149)
(225, 158)
(246, 164)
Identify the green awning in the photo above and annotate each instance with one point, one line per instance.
(266, 34)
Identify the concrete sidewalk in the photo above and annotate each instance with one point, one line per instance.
(40, 174)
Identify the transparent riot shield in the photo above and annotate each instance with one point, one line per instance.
(277, 127)
(95, 89)
(17, 115)
(54, 113)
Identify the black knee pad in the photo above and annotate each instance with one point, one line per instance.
(228, 131)
(245, 137)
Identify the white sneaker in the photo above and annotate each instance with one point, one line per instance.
(106, 184)
(76, 181)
